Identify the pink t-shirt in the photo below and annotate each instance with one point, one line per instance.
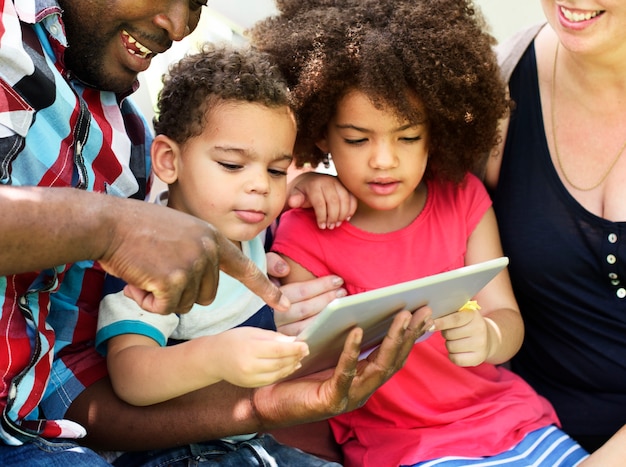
(431, 407)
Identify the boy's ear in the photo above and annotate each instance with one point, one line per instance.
(165, 153)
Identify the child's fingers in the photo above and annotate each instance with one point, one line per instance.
(264, 371)
(280, 346)
(340, 206)
(454, 320)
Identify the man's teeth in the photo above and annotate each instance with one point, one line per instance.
(143, 50)
(576, 17)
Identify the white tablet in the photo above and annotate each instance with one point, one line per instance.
(373, 311)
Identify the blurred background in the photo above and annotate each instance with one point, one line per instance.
(226, 20)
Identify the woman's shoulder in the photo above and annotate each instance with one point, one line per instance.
(511, 50)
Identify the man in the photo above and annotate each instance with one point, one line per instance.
(69, 139)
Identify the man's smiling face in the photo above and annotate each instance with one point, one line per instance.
(110, 42)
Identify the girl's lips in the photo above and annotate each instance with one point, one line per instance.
(384, 187)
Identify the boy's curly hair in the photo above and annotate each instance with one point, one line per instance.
(218, 73)
(437, 49)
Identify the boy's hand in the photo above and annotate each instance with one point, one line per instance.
(330, 200)
(253, 357)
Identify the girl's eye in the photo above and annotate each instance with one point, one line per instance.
(411, 140)
(355, 141)
(229, 166)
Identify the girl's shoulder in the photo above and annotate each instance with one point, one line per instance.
(470, 186)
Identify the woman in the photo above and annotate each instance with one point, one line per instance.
(558, 188)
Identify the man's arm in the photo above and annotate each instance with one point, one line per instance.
(221, 409)
(169, 259)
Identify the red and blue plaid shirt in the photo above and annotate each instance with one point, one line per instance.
(54, 131)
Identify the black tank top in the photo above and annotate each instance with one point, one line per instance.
(568, 269)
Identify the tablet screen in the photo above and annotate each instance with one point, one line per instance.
(373, 311)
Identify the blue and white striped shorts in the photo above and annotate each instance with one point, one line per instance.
(546, 447)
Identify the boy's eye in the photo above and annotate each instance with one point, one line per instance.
(229, 166)
(277, 172)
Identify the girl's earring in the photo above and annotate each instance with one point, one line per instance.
(326, 160)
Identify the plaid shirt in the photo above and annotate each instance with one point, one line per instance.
(54, 131)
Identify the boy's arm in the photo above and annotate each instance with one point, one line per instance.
(144, 373)
(222, 409)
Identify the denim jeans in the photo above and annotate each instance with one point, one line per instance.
(262, 451)
(46, 453)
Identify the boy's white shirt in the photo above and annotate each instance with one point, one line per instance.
(234, 304)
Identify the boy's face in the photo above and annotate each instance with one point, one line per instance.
(233, 175)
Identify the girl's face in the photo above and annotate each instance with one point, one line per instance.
(594, 26)
(380, 159)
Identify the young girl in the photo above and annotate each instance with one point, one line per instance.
(405, 98)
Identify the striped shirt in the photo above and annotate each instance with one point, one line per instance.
(55, 132)
(545, 447)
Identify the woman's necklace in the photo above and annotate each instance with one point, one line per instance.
(556, 149)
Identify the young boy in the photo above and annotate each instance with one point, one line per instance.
(225, 133)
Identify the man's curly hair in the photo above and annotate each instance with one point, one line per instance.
(218, 73)
(437, 50)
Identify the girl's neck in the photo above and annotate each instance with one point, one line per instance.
(379, 221)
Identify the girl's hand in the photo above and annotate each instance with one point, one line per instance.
(307, 298)
(332, 203)
(469, 337)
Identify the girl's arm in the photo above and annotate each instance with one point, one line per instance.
(495, 333)
(330, 200)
